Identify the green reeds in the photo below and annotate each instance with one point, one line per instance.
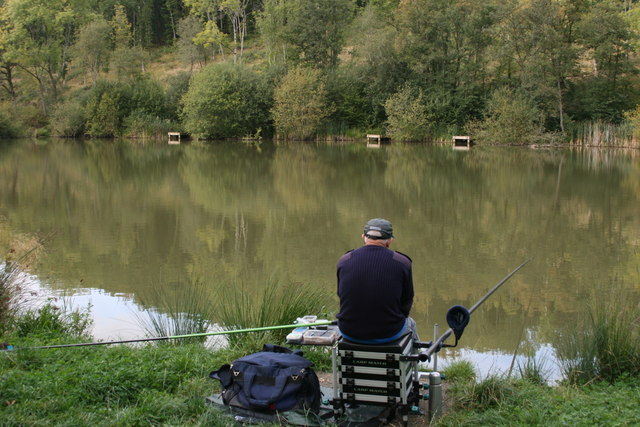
(606, 343)
(274, 304)
(13, 278)
(183, 310)
(603, 134)
(533, 370)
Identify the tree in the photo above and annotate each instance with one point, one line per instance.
(300, 103)
(210, 13)
(128, 60)
(92, 48)
(7, 67)
(608, 88)
(317, 29)
(236, 11)
(546, 55)
(446, 53)
(106, 109)
(274, 32)
(512, 118)
(407, 115)
(226, 101)
(210, 38)
(39, 35)
(188, 29)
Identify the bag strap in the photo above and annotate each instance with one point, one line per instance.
(274, 348)
(281, 382)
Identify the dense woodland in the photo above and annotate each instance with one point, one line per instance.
(504, 71)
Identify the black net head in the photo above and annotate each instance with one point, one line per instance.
(458, 318)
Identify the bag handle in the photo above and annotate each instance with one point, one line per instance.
(281, 382)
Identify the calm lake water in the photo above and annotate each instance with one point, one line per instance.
(132, 222)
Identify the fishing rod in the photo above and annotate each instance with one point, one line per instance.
(173, 337)
(458, 316)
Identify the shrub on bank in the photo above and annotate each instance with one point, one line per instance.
(110, 106)
(7, 127)
(407, 116)
(69, 118)
(226, 101)
(511, 117)
(300, 103)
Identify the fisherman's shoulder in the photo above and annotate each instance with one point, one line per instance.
(403, 258)
(346, 256)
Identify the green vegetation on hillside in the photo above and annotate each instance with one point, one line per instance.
(507, 72)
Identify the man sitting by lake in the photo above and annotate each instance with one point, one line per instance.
(375, 286)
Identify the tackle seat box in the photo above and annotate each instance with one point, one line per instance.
(377, 374)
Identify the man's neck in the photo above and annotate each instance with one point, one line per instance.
(382, 243)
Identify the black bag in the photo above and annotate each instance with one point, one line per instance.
(274, 379)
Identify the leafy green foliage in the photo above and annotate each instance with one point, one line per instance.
(300, 103)
(53, 320)
(575, 61)
(511, 118)
(110, 104)
(7, 127)
(407, 116)
(92, 48)
(225, 101)
(68, 118)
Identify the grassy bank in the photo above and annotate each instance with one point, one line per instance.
(168, 384)
(498, 401)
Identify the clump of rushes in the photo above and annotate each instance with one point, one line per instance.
(460, 371)
(276, 304)
(491, 391)
(186, 310)
(13, 277)
(533, 370)
(606, 343)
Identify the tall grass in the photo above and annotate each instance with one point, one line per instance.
(533, 370)
(606, 343)
(603, 134)
(275, 304)
(53, 320)
(13, 277)
(460, 370)
(187, 309)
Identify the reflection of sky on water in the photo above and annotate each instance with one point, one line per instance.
(492, 362)
(115, 317)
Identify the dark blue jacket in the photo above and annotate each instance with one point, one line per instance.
(375, 287)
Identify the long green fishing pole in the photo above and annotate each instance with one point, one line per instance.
(436, 346)
(174, 337)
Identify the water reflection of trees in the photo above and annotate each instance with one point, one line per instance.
(133, 218)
